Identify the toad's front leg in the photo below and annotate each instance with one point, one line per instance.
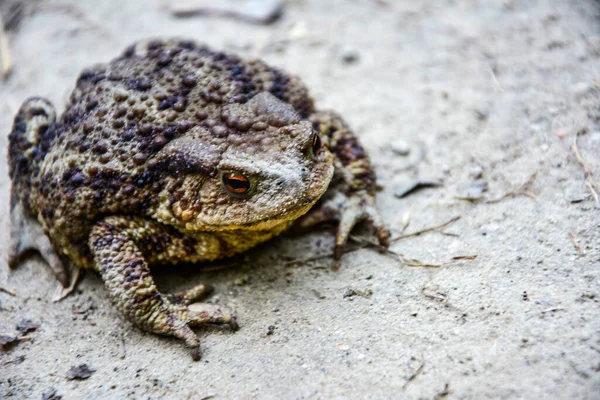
(351, 195)
(122, 248)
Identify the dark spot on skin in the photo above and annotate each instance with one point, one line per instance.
(179, 162)
(171, 131)
(189, 245)
(145, 130)
(91, 105)
(120, 96)
(48, 213)
(201, 115)
(260, 126)
(139, 158)
(132, 276)
(155, 44)
(185, 126)
(237, 70)
(174, 298)
(128, 135)
(71, 116)
(187, 44)
(158, 143)
(83, 147)
(113, 76)
(91, 76)
(37, 111)
(348, 149)
(139, 84)
(189, 81)
(154, 243)
(164, 60)
(77, 179)
(129, 51)
(219, 130)
(279, 83)
(178, 103)
(101, 147)
(128, 189)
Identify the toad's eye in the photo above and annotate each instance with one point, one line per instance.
(316, 144)
(236, 184)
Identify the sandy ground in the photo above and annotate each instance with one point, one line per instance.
(492, 88)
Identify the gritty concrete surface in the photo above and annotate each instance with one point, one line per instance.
(459, 89)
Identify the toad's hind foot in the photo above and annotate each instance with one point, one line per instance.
(177, 320)
(27, 235)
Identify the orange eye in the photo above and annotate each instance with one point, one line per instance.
(316, 144)
(236, 184)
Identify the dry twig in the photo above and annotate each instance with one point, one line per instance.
(575, 243)
(413, 376)
(495, 80)
(520, 190)
(589, 176)
(426, 230)
(307, 259)
(366, 243)
(8, 291)
(549, 310)
(464, 258)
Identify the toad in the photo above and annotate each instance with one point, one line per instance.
(173, 153)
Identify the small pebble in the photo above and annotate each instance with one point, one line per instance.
(26, 326)
(476, 171)
(400, 147)
(481, 114)
(349, 55)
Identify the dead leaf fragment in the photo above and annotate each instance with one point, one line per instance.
(414, 185)
(26, 326)
(254, 11)
(7, 342)
(80, 372)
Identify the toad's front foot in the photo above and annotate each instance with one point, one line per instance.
(349, 210)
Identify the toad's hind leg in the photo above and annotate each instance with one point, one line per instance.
(27, 235)
(123, 247)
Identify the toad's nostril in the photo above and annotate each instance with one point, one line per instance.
(280, 182)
